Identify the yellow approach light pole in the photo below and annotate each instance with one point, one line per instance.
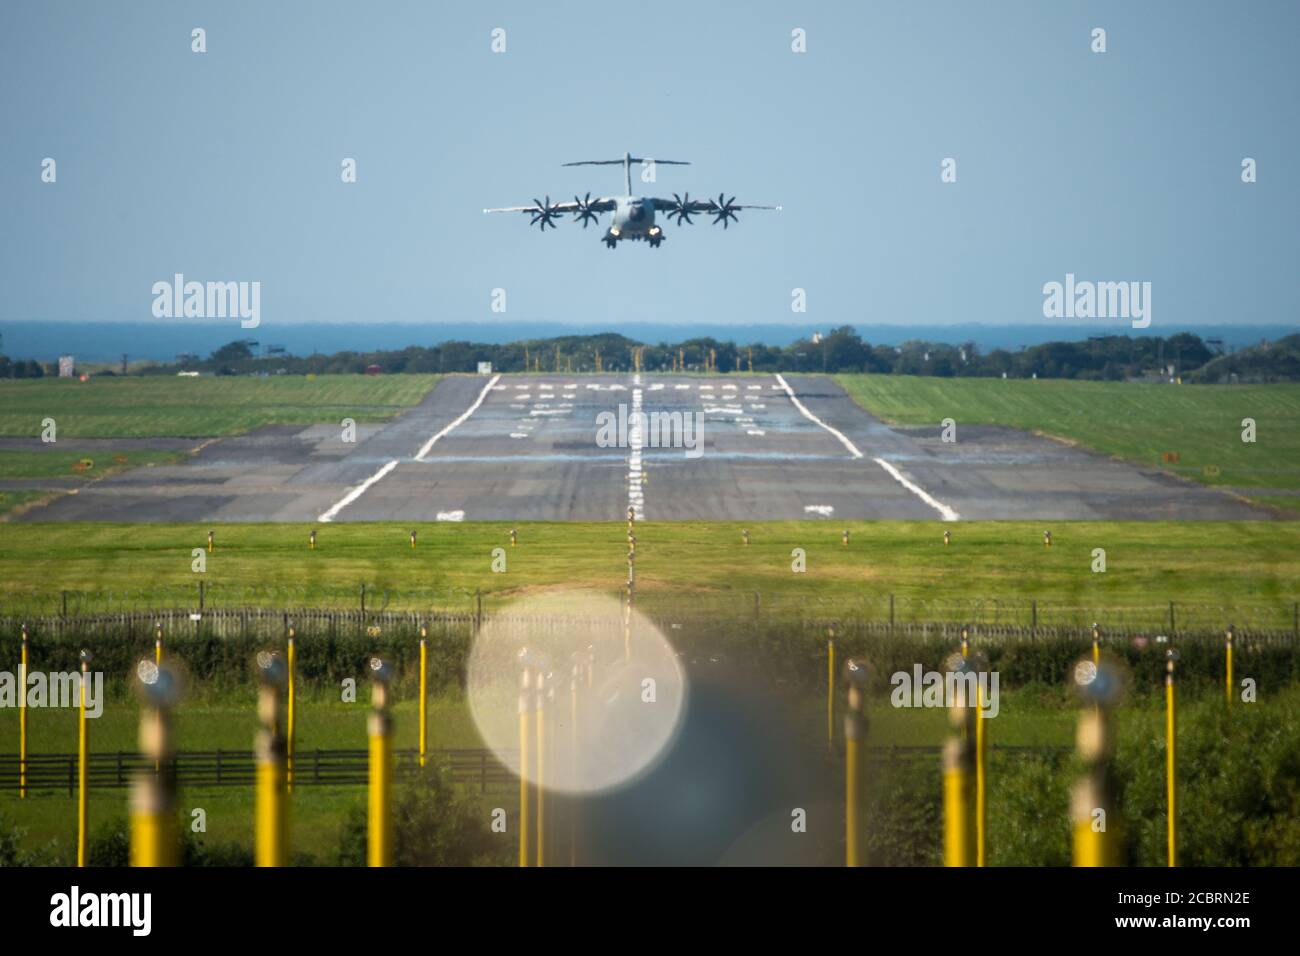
(290, 656)
(540, 763)
(980, 665)
(154, 841)
(1171, 766)
(271, 752)
(379, 848)
(830, 687)
(525, 749)
(22, 720)
(857, 674)
(958, 760)
(83, 762)
(1227, 673)
(1095, 826)
(424, 694)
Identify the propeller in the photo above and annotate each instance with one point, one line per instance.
(722, 210)
(544, 215)
(584, 212)
(683, 209)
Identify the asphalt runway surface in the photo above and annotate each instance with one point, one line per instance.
(522, 448)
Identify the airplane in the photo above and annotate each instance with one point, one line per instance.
(634, 216)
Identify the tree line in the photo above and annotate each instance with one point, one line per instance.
(1100, 358)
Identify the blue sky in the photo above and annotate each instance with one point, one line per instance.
(225, 165)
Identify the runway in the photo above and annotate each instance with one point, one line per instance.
(522, 448)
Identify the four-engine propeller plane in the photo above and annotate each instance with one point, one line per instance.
(633, 216)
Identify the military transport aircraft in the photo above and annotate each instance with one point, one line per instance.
(634, 216)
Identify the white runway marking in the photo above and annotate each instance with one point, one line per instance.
(451, 516)
(635, 494)
(419, 455)
(853, 449)
(356, 492)
(947, 513)
(362, 488)
(823, 510)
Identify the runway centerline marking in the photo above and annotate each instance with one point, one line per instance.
(635, 440)
(365, 486)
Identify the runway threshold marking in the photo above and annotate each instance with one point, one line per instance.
(947, 513)
(388, 466)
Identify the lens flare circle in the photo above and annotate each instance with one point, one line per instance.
(611, 699)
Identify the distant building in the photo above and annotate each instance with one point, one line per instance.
(67, 367)
(374, 370)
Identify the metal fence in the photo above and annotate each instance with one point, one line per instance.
(476, 768)
(1183, 622)
(252, 606)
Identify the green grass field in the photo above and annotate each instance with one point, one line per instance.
(1135, 421)
(164, 406)
(169, 407)
(1250, 570)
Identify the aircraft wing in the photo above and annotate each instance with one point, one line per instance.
(693, 206)
(596, 205)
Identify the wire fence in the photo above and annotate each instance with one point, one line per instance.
(90, 614)
(472, 767)
(477, 768)
(243, 609)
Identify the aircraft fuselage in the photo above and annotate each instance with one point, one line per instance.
(634, 218)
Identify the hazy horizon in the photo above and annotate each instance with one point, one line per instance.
(225, 165)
